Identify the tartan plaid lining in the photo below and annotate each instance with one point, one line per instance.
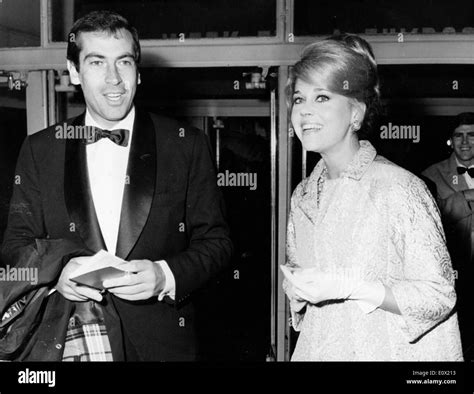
(88, 342)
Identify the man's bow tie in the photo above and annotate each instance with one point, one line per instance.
(119, 136)
(462, 170)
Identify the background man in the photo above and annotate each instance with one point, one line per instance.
(454, 180)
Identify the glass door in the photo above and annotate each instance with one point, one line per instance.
(236, 108)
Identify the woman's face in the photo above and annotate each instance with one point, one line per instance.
(321, 118)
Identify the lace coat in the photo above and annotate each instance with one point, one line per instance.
(380, 221)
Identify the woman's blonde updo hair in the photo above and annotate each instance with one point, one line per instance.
(347, 63)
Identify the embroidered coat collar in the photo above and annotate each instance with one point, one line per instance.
(355, 170)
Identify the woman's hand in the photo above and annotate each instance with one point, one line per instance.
(316, 286)
(296, 303)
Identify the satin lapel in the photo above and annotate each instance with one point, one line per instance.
(139, 184)
(452, 172)
(77, 193)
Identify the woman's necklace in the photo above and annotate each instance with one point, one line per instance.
(321, 180)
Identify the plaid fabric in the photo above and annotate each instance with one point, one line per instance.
(86, 336)
(88, 342)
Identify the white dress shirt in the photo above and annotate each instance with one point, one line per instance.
(467, 177)
(107, 167)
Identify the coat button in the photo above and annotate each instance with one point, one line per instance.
(58, 346)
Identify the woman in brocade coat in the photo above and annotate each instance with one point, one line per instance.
(368, 274)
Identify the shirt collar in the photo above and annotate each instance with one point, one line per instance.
(125, 123)
(461, 165)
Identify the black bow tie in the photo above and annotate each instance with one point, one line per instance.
(462, 170)
(119, 136)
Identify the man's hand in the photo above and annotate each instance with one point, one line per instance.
(145, 279)
(73, 291)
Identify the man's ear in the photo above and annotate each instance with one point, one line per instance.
(73, 73)
(139, 81)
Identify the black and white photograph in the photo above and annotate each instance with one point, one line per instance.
(269, 190)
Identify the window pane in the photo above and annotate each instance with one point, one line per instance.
(17, 27)
(373, 16)
(427, 80)
(168, 19)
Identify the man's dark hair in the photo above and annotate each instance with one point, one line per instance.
(99, 21)
(464, 118)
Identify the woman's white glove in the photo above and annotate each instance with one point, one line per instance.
(315, 286)
(296, 303)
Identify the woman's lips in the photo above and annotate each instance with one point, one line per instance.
(311, 127)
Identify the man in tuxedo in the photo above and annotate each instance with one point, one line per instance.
(454, 181)
(142, 187)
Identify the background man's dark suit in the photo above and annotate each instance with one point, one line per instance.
(457, 214)
(172, 209)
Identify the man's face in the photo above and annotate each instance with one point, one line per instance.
(463, 143)
(108, 75)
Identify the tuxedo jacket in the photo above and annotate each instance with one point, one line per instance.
(455, 209)
(172, 209)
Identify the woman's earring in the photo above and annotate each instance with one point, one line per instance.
(355, 125)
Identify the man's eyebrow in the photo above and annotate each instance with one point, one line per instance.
(99, 56)
(93, 54)
(125, 55)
